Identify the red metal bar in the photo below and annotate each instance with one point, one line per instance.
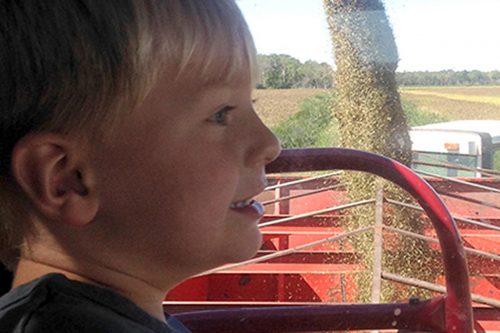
(427, 316)
(458, 308)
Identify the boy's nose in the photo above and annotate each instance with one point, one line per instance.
(274, 147)
(266, 144)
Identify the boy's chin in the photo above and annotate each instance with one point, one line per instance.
(246, 249)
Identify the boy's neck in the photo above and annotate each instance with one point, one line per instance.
(143, 294)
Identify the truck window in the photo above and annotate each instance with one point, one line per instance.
(427, 158)
(496, 160)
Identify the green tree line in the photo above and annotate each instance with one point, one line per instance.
(282, 71)
(448, 78)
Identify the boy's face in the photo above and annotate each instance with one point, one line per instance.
(170, 180)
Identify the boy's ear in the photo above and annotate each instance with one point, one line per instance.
(57, 176)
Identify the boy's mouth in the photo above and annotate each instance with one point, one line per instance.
(241, 204)
(249, 206)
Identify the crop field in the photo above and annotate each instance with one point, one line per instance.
(452, 103)
(456, 102)
(277, 105)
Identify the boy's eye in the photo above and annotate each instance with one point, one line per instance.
(221, 117)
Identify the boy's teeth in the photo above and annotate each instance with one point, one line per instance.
(241, 204)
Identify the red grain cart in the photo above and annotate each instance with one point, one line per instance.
(304, 276)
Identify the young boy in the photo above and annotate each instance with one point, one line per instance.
(129, 156)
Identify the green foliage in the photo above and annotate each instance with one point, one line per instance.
(316, 75)
(417, 117)
(315, 126)
(283, 72)
(312, 126)
(448, 78)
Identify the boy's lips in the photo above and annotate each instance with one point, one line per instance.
(241, 204)
(250, 206)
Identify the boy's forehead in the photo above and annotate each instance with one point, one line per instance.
(195, 89)
(196, 85)
(202, 79)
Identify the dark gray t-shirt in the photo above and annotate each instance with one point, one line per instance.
(56, 304)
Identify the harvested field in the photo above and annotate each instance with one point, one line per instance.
(276, 105)
(454, 103)
(469, 90)
(457, 102)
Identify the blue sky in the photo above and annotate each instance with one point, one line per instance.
(430, 34)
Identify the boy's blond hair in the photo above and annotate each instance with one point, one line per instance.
(76, 67)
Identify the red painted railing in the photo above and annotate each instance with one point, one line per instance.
(451, 313)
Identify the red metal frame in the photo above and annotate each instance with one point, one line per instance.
(452, 313)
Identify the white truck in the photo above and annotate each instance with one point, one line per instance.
(460, 148)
